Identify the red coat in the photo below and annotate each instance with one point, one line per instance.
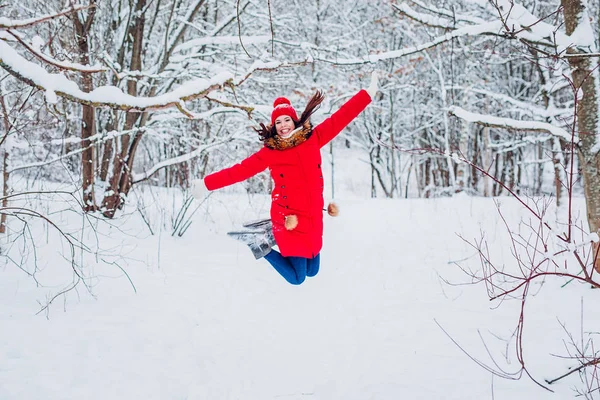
(298, 181)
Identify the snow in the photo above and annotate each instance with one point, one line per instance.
(196, 317)
(392, 314)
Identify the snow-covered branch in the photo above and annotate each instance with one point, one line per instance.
(237, 81)
(175, 160)
(6, 23)
(440, 12)
(100, 138)
(513, 22)
(92, 140)
(508, 123)
(222, 40)
(473, 30)
(267, 66)
(517, 22)
(227, 108)
(522, 106)
(179, 32)
(444, 20)
(582, 55)
(106, 96)
(56, 63)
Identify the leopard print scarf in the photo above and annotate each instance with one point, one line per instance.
(299, 136)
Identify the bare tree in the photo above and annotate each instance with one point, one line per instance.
(83, 26)
(586, 80)
(138, 79)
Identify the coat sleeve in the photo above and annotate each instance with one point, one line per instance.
(333, 125)
(249, 167)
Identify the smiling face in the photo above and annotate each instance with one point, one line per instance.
(284, 125)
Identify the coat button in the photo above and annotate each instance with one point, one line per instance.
(283, 186)
(285, 197)
(281, 175)
(319, 165)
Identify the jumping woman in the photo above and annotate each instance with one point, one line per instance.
(292, 153)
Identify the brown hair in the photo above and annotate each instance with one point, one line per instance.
(266, 132)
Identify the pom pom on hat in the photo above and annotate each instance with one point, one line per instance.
(281, 100)
(282, 106)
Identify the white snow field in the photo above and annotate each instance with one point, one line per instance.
(207, 321)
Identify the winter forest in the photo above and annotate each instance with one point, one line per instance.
(469, 191)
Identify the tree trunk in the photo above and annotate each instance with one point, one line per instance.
(5, 174)
(558, 156)
(120, 180)
(107, 155)
(126, 178)
(121, 174)
(488, 160)
(87, 157)
(426, 177)
(585, 78)
(560, 181)
(539, 169)
(88, 119)
(509, 168)
(476, 159)
(462, 170)
(497, 189)
(108, 147)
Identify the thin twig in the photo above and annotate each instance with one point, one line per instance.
(239, 24)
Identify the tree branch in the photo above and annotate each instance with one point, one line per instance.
(487, 28)
(171, 46)
(6, 23)
(507, 123)
(107, 96)
(175, 160)
(58, 64)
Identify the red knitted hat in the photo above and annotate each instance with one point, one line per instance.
(282, 106)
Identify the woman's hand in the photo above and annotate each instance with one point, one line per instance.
(372, 89)
(199, 190)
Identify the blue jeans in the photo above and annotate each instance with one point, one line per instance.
(294, 269)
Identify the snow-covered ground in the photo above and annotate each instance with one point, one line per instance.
(197, 317)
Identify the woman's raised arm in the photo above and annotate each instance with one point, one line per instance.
(247, 168)
(332, 126)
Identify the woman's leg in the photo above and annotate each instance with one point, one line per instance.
(293, 269)
(312, 266)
